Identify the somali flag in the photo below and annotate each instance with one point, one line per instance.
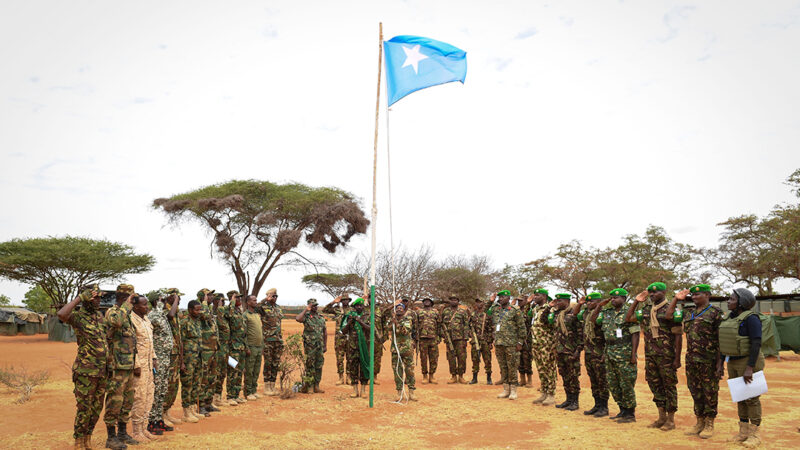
(414, 63)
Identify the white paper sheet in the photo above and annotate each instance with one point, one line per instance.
(232, 362)
(742, 391)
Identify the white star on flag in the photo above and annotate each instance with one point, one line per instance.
(413, 57)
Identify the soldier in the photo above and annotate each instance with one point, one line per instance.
(92, 364)
(526, 354)
(209, 346)
(481, 342)
(356, 326)
(621, 344)
(271, 316)
(122, 343)
(315, 344)
(569, 343)
(175, 356)
(702, 356)
(163, 342)
(404, 338)
(509, 334)
(662, 351)
(238, 327)
(338, 308)
(740, 336)
(543, 346)
(593, 355)
(145, 365)
(455, 325)
(383, 317)
(429, 332)
(224, 332)
(255, 347)
(190, 361)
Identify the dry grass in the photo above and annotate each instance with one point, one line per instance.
(22, 382)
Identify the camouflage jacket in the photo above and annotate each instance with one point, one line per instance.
(613, 320)
(351, 330)
(313, 329)
(209, 339)
(594, 341)
(482, 326)
(383, 316)
(238, 328)
(338, 313)
(456, 322)
(668, 331)
(569, 341)
(190, 334)
(429, 323)
(163, 341)
(405, 335)
(271, 316)
(175, 327)
(509, 326)
(93, 358)
(223, 326)
(121, 336)
(702, 328)
(537, 316)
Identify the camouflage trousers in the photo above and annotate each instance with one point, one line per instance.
(354, 369)
(235, 374)
(429, 355)
(208, 362)
(252, 366)
(545, 357)
(190, 378)
(485, 352)
(161, 381)
(457, 359)
(119, 397)
(173, 381)
(662, 378)
(272, 358)
(750, 409)
(621, 374)
(703, 384)
(314, 360)
(526, 358)
(89, 392)
(569, 367)
(508, 360)
(378, 356)
(405, 369)
(596, 369)
(222, 371)
(340, 347)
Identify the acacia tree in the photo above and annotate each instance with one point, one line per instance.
(333, 284)
(467, 277)
(413, 270)
(60, 266)
(257, 226)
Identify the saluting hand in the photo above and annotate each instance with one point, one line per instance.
(681, 295)
(641, 296)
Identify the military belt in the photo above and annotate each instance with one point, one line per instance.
(619, 341)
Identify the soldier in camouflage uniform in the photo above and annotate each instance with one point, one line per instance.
(594, 355)
(271, 316)
(482, 329)
(338, 308)
(404, 338)
(356, 326)
(509, 335)
(569, 343)
(175, 359)
(209, 347)
(701, 325)
(455, 326)
(190, 368)
(122, 342)
(429, 332)
(526, 354)
(163, 343)
(238, 327)
(383, 316)
(662, 351)
(224, 333)
(92, 364)
(315, 344)
(543, 346)
(621, 346)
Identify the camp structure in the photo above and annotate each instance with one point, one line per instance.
(15, 320)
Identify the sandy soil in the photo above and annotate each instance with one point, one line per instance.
(445, 416)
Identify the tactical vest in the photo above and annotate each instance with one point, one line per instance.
(730, 343)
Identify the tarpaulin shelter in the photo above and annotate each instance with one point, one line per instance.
(15, 320)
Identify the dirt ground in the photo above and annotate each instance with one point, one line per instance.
(466, 416)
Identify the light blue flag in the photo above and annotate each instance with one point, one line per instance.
(414, 63)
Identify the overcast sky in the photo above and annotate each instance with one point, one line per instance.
(578, 120)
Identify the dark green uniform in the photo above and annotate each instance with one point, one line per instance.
(481, 325)
(224, 333)
(271, 316)
(403, 362)
(209, 346)
(593, 357)
(509, 331)
(702, 354)
(429, 322)
(237, 350)
(357, 347)
(122, 344)
(659, 353)
(526, 354)
(620, 372)
(313, 346)
(340, 339)
(455, 322)
(175, 359)
(190, 374)
(569, 343)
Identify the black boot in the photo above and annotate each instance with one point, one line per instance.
(619, 414)
(211, 408)
(202, 410)
(474, 378)
(565, 403)
(153, 428)
(629, 416)
(594, 408)
(489, 379)
(573, 404)
(164, 426)
(602, 409)
(113, 441)
(123, 436)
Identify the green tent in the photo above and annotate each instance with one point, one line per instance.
(15, 320)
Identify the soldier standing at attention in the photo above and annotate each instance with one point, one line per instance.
(175, 355)
(621, 345)
(163, 344)
(702, 356)
(224, 333)
(662, 351)
(190, 367)
(238, 327)
(146, 364)
(356, 326)
(569, 343)
(92, 366)
(315, 344)
(481, 342)
(526, 354)
(404, 337)
(593, 355)
(271, 316)
(543, 346)
(122, 343)
(254, 348)
(338, 308)
(209, 346)
(382, 318)
(455, 324)
(429, 323)
(509, 334)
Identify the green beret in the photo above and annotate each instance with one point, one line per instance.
(563, 296)
(618, 292)
(542, 291)
(700, 288)
(594, 296)
(358, 301)
(504, 293)
(311, 301)
(657, 286)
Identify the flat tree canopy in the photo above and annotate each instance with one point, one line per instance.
(255, 224)
(61, 265)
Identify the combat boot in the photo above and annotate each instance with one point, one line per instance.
(145, 430)
(161, 424)
(364, 390)
(549, 400)
(317, 390)
(113, 441)
(461, 379)
(217, 402)
(80, 443)
(669, 425)
(199, 413)
(173, 419)
(513, 394)
(87, 442)
(662, 419)
(506, 392)
(752, 440)
(167, 423)
(137, 432)
(594, 408)
(355, 393)
(188, 417)
(573, 404)
(122, 434)
(474, 379)
(522, 379)
(619, 415)
(628, 417)
(251, 398)
(540, 399)
(432, 380)
(152, 429)
(274, 392)
(708, 428)
(412, 395)
(489, 378)
(400, 395)
(341, 379)
(744, 431)
(564, 403)
(453, 380)
(697, 428)
(211, 408)
(602, 410)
